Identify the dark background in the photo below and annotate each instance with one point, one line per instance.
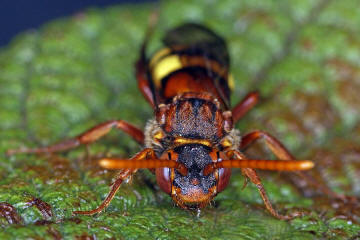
(20, 15)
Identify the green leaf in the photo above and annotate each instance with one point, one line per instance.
(73, 73)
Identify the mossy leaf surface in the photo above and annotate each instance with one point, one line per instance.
(76, 72)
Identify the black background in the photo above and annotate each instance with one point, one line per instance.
(19, 15)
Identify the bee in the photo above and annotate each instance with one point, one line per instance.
(190, 144)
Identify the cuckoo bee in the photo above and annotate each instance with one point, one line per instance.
(190, 144)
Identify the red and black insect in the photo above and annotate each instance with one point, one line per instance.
(190, 144)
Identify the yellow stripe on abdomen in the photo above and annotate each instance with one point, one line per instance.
(164, 67)
(164, 63)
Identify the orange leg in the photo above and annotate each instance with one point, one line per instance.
(254, 178)
(250, 174)
(275, 146)
(245, 106)
(147, 153)
(126, 173)
(282, 153)
(87, 137)
(143, 81)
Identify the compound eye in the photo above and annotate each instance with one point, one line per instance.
(163, 179)
(224, 177)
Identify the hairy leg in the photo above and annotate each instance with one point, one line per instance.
(244, 106)
(250, 174)
(282, 153)
(254, 178)
(87, 137)
(147, 153)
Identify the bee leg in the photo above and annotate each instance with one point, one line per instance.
(87, 137)
(279, 150)
(254, 178)
(123, 175)
(126, 173)
(141, 65)
(245, 106)
(143, 81)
